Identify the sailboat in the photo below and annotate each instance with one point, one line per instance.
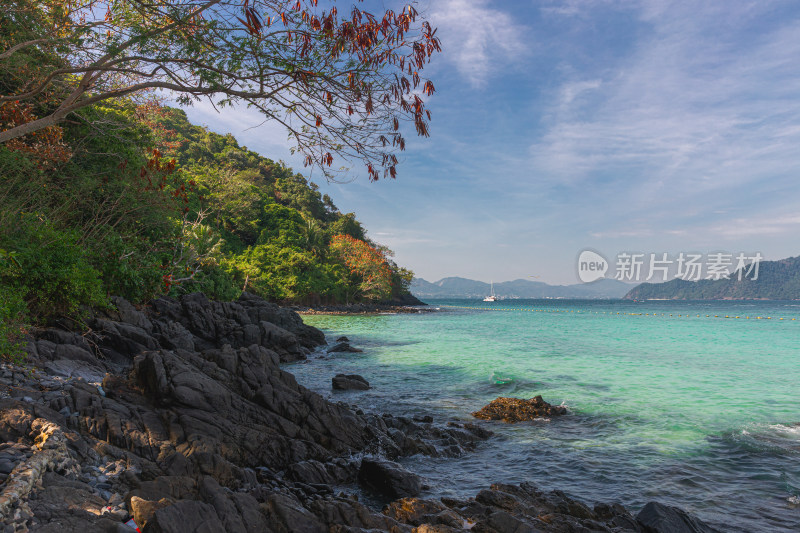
(491, 297)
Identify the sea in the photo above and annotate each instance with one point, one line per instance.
(690, 403)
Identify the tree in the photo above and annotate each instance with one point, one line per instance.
(341, 84)
(367, 266)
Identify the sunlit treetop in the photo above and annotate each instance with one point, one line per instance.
(342, 81)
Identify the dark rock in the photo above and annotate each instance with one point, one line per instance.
(349, 382)
(335, 472)
(342, 339)
(196, 427)
(389, 478)
(126, 312)
(282, 341)
(517, 410)
(343, 347)
(6, 466)
(659, 518)
(286, 514)
(503, 522)
(187, 515)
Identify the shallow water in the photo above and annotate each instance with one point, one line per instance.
(696, 411)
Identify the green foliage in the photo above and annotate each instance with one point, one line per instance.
(284, 273)
(216, 283)
(276, 226)
(119, 218)
(52, 271)
(13, 316)
(127, 269)
(282, 225)
(348, 225)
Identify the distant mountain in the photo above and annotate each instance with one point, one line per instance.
(777, 280)
(520, 288)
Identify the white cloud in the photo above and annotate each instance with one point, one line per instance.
(619, 234)
(695, 111)
(571, 90)
(478, 38)
(755, 226)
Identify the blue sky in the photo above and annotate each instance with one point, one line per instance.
(562, 125)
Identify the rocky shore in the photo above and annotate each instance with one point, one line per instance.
(178, 418)
(407, 303)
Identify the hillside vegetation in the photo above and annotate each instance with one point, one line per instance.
(136, 201)
(777, 280)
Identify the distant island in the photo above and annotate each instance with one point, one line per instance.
(777, 280)
(455, 287)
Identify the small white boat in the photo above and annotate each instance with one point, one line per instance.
(491, 297)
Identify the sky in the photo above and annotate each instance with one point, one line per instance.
(558, 126)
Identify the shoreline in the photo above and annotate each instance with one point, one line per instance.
(180, 416)
(361, 309)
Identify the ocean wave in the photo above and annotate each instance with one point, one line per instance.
(792, 430)
(775, 438)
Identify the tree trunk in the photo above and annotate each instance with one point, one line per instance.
(30, 127)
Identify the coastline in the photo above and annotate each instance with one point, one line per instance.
(406, 303)
(361, 309)
(180, 416)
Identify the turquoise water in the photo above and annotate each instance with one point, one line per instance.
(697, 411)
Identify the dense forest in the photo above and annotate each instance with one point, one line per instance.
(777, 280)
(136, 201)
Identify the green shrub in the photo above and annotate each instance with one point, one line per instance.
(127, 269)
(51, 271)
(13, 317)
(216, 283)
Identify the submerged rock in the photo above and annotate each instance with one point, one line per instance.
(343, 347)
(349, 382)
(518, 410)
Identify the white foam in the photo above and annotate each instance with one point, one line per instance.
(793, 430)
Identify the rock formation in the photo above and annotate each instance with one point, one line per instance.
(518, 410)
(179, 417)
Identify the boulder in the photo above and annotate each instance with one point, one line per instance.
(518, 410)
(659, 518)
(349, 382)
(143, 510)
(186, 515)
(389, 478)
